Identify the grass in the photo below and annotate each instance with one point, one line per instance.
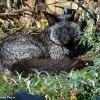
(85, 83)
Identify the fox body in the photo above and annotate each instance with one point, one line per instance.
(57, 41)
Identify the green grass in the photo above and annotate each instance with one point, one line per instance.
(55, 87)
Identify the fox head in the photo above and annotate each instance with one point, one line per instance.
(62, 30)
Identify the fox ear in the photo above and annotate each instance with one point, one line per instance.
(51, 18)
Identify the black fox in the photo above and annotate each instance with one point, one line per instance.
(58, 41)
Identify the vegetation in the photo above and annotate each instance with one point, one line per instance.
(75, 85)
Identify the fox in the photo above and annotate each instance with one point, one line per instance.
(57, 41)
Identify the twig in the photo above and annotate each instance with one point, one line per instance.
(15, 12)
(8, 14)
